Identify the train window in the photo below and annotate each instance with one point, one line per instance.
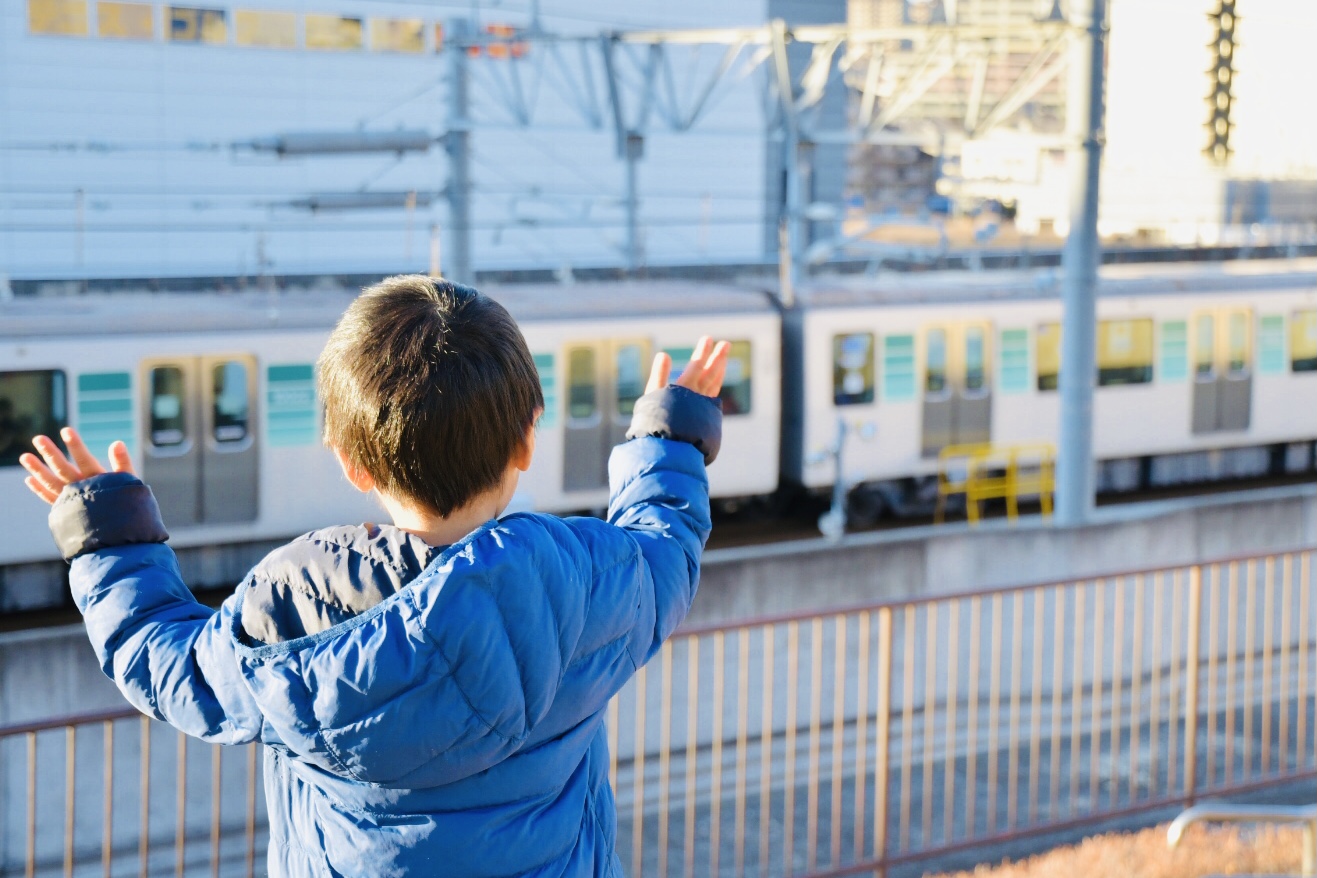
(332, 32)
(735, 394)
(1303, 341)
(230, 406)
(168, 418)
(191, 25)
(1047, 343)
(935, 362)
(397, 35)
(581, 402)
(1239, 349)
(125, 21)
(976, 371)
(1124, 352)
(1205, 347)
(32, 403)
(852, 368)
(67, 18)
(630, 378)
(267, 30)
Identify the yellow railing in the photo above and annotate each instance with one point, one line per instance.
(996, 472)
(832, 743)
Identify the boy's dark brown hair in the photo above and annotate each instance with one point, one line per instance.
(429, 387)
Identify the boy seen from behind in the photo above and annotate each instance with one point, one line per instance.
(430, 693)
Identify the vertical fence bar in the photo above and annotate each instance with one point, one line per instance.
(1076, 694)
(665, 754)
(1250, 645)
(789, 787)
(1287, 604)
(1136, 689)
(994, 712)
(1058, 672)
(838, 734)
(180, 812)
(70, 794)
(766, 750)
(107, 806)
(1117, 679)
(951, 736)
(1096, 692)
(1305, 650)
(216, 784)
(742, 743)
(692, 748)
(251, 811)
(1013, 758)
(1155, 700)
(930, 722)
(1173, 683)
(1232, 647)
(716, 805)
(1213, 593)
(861, 729)
(815, 744)
(1036, 703)
(1191, 682)
(972, 716)
(882, 746)
(638, 780)
(907, 722)
(30, 868)
(144, 842)
(1268, 615)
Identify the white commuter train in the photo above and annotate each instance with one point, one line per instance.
(1203, 372)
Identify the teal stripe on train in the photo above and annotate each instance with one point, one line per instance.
(291, 410)
(105, 410)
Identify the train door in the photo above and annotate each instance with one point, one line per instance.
(201, 450)
(1223, 370)
(957, 386)
(604, 380)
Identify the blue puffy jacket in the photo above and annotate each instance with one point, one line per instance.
(453, 728)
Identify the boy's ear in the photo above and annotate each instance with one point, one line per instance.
(358, 477)
(521, 458)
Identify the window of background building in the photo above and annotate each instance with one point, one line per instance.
(269, 30)
(332, 32)
(190, 24)
(852, 368)
(1047, 355)
(397, 35)
(1124, 352)
(65, 18)
(32, 403)
(125, 21)
(1303, 341)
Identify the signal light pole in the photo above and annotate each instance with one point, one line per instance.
(1079, 261)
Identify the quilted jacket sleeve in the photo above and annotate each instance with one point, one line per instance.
(170, 656)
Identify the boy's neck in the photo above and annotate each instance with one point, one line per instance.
(436, 530)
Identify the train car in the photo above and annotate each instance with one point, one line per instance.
(1202, 372)
(215, 396)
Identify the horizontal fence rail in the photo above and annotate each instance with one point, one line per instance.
(837, 743)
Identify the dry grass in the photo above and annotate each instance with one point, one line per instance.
(1224, 850)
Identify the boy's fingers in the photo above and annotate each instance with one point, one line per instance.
(120, 461)
(41, 474)
(39, 489)
(86, 462)
(659, 372)
(56, 460)
(716, 368)
(701, 351)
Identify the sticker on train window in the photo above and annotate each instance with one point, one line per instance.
(852, 368)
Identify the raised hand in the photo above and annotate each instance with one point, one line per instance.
(703, 374)
(47, 479)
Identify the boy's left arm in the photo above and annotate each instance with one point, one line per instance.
(170, 656)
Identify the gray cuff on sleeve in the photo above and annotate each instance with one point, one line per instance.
(112, 509)
(673, 412)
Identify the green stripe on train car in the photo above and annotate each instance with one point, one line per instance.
(105, 409)
(1174, 356)
(1014, 376)
(898, 369)
(1271, 345)
(290, 405)
(544, 365)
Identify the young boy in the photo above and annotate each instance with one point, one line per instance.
(430, 693)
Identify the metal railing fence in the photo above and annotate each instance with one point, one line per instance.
(820, 744)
